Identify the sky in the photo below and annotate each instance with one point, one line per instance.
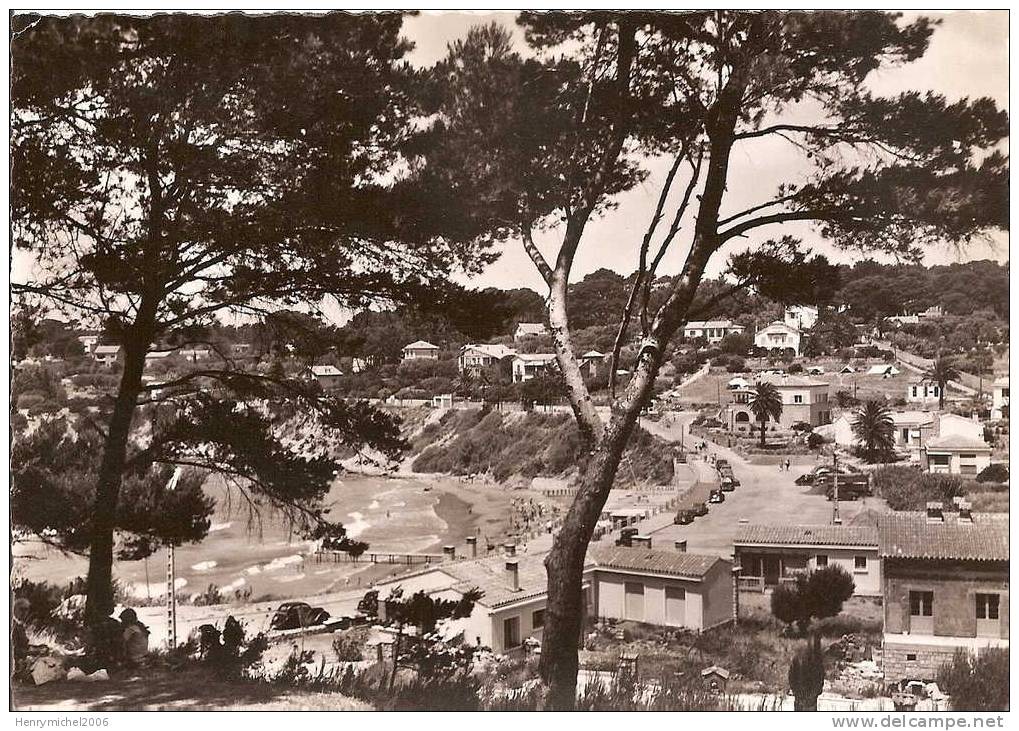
(968, 57)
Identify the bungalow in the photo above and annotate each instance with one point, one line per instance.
(195, 354)
(669, 588)
(801, 317)
(591, 363)
(420, 350)
(923, 391)
(912, 429)
(528, 365)
(327, 376)
(106, 355)
(529, 330)
(803, 399)
(478, 356)
(944, 587)
(956, 455)
(711, 330)
(999, 398)
(767, 555)
(779, 336)
(903, 319)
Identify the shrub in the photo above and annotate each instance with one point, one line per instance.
(802, 426)
(787, 605)
(993, 473)
(735, 364)
(977, 683)
(795, 368)
(815, 440)
(815, 595)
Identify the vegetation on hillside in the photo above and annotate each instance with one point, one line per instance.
(504, 445)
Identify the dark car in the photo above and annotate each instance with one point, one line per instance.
(699, 509)
(721, 464)
(728, 484)
(684, 517)
(717, 496)
(295, 615)
(806, 478)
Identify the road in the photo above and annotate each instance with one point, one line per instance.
(766, 495)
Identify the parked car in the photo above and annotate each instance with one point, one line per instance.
(721, 463)
(699, 509)
(295, 615)
(684, 517)
(717, 496)
(728, 484)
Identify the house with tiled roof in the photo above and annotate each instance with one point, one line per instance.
(475, 356)
(529, 330)
(804, 399)
(528, 365)
(768, 555)
(955, 454)
(711, 330)
(420, 350)
(670, 588)
(327, 376)
(106, 355)
(945, 587)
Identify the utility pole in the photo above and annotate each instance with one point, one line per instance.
(171, 580)
(835, 519)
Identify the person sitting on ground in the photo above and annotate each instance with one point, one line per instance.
(136, 637)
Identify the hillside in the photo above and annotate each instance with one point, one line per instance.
(522, 445)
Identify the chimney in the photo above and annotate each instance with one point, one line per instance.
(681, 546)
(472, 545)
(965, 512)
(513, 575)
(935, 512)
(449, 552)
(510, 549)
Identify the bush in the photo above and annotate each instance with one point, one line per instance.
(814, 595)
(977, 683)
(815, 440)
(736, 364)
(795, 368)
(993, 473)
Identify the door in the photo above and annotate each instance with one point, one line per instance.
(634, 608)
(510, 633)
(770, 570)
(921, 612)
(988, 618)
(675, 606)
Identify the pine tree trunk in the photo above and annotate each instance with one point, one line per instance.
(805, 704)
(99, 585)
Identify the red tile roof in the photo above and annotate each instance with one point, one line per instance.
(911, 535)
(807, 535)
(667, 563)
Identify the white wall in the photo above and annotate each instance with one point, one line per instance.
(610, 598)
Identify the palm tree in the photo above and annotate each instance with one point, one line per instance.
(765, 402)
(465, 382)
(942, 371)
(874, 428)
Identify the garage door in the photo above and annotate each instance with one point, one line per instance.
(634, 601)
(675, 606)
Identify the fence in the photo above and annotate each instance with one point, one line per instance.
(408, 559)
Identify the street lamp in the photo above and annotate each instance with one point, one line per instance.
(171, 579)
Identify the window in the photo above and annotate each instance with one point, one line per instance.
(821, 561)
(511, 633)
(967, 456)
(910, 657)
(860, 563)
(987, 606)
(914, 391)
(798, 399)
(905, 435)
(538, 619)
(921, 603)
(940, 459)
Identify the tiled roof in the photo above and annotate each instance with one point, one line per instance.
(106, 349)
(699, 324)
(957, 441)
(791, 381)
(536, 357)
(326, 370)
(667, 563)
(489, 575)
(492, 350)
(420, 345)
(910, 535)
(807, 535)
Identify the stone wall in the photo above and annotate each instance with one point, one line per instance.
(914, 662)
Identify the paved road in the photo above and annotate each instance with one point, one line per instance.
(766, 495)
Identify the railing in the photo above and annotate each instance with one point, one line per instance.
(751, 583)
(380, 557)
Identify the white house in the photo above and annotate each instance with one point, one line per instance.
(779, 335)
(803, 399)
(328, 376)
(155, 356)
(801, 317)
(420, 350)
(923, 391)
(767, 555)
(528, 365)
(591, 363)
(903, 319)
(529, 330)
(476, 356)
(999, 398)
(955, 455)
(195, 354)
(711, 330)
(106, 355)
(88, 341)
